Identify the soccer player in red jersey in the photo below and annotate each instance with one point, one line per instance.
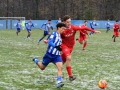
(116, 31)
(83, 38)
(68, 41)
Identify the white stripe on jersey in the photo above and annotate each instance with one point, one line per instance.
(57, 41)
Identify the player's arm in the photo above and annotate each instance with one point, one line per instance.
(86, 28)
(50, 42)
(52, 27)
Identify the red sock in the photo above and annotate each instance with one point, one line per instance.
(69, 70)
(84, 45)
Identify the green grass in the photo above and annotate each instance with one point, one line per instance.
(100, 60)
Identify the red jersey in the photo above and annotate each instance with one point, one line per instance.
(83, 32)
(116, 27)
(68, 36)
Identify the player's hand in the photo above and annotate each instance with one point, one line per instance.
(58, 48)
(97, 32)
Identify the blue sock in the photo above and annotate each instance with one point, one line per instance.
(59, 78)
(41, 39)
(48, 37)
(36, 61)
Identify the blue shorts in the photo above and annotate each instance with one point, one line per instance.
(108, 27)
(92, 28)
(18, 29)
(48, 58)
(46, 33)
(28, 30)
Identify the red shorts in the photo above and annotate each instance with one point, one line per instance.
(116, 33)
(82, 38)
(65, 52)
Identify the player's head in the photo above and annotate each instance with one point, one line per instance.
(60, 27)
(85, 22)
(18, 20)
(49, 21)
(59, 18)
(67, 20)
(30, 20)
(117, 21)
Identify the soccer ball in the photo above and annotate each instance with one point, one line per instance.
(102, 84)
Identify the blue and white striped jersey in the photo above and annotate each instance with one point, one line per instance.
(56, 38)
(47, 26)
(18, 25)
(59, 21)
(108, 24)
(29, 25)
(93, 24)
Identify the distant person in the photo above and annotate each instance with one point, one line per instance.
(107, 26)
(59, 20)
(18, 26)
(28, 26)
(53, 53)
(23, 24)
(83, 38)
(47, 27)
(92, 25)
(116, 30)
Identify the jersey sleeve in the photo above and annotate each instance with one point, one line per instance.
(51, 40)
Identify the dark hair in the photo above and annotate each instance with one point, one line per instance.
(117, 21)
(49, 19)
(60, 25)
(85, 21)
(66, 17)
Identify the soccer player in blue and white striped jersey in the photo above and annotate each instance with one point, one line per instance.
(53, 53)
(47, 27)
(59, 21)
(18, 26)
(28, 26)
(108, 26)
(92, 25)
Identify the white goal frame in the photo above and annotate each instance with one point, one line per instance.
(11, 18)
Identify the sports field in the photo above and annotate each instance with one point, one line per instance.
(100, 60)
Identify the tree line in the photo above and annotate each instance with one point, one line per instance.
(53, 9)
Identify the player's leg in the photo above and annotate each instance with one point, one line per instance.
(85, 42)
(38, 63)
(59, 64)
(44, 35)
(29, 33)
(66, 57)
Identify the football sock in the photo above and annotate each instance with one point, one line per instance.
(84, 45)
(59, 79)
(113, 36)
(41, 39)
(36, 61)
(48, 37)
(69, 70)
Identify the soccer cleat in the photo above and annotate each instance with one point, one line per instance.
(72, 78)
(60, 85)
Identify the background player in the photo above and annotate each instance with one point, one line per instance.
(18, 26)
(83, 38)
(23, 24)
(108, 26)
(53, 53)
(116, 30)
(92, 25)
(28, 26)
(59, 20)
(47, 27)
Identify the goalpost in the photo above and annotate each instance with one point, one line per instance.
(7, 22)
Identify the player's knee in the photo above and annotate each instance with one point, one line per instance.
(69, 57)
